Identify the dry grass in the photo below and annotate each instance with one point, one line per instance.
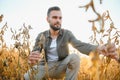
(13, 59)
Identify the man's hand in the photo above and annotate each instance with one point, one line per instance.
(108, 50)
(34, 57)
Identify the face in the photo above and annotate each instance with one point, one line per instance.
(55, 19)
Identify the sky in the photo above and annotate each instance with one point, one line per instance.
(75, 19)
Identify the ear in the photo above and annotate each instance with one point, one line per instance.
(47, 19)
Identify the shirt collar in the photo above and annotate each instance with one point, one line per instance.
(60, 33)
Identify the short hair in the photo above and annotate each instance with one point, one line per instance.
(52, 9)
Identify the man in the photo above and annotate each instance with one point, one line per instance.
(55, 44)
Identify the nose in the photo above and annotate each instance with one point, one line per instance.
(58, 19)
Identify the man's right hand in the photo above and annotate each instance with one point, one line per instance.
(34, 57)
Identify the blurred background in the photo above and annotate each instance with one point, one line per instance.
(33, 12)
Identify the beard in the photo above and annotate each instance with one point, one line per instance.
(55, 28)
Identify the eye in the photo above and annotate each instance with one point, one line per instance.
(54, 17)
(60, 18)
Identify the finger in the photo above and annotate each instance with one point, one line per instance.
(33, 58)
(111, 50)
(35, 52)
(106, 54)
(104, 50)
(33, 62)
(117, 57)
(36, 60)
(110, 46)
(114, 56)
(35, 55)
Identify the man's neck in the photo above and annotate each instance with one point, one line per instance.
(54, 34)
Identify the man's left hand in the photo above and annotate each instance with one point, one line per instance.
(108, 50)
